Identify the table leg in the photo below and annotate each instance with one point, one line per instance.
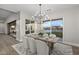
(51, 46)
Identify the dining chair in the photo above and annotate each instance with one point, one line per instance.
(42, 48)
(25, 44)
(32, 45)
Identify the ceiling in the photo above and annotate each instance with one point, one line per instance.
(4, 14)
(31, 9)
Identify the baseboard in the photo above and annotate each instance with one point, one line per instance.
(72, 44)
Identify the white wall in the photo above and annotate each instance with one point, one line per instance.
(11, 18)
(2, 21)
(23, 16)
(1, 27)
(71, 22)
(18, 27)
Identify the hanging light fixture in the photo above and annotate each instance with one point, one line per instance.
(41, 15)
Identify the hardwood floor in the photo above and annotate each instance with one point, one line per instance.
(6, 43)
(75, 50)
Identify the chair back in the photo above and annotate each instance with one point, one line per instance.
(42, 48)
(25, 42)
(32, 45)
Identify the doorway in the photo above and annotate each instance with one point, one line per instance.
(12, 28)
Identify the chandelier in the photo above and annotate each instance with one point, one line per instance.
(41, 15)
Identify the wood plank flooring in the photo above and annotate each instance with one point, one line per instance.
(6, 43)
(75, 50)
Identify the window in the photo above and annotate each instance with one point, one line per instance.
(29, 26)
(54, 26)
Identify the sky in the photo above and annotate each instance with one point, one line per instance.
(53, 23)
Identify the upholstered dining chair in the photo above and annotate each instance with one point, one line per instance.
(25, 44)
(32, 45)
(42, 48)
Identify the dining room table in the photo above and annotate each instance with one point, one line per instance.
(48, 40)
